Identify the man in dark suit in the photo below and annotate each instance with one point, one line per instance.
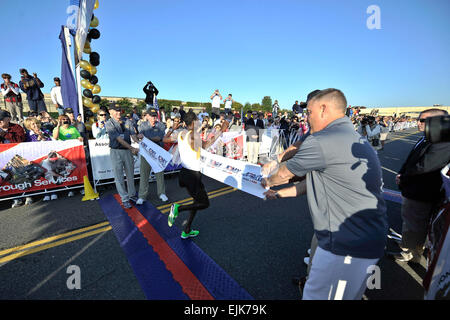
(420, 183)
(252, 128)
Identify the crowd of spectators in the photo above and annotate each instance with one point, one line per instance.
(39, 125)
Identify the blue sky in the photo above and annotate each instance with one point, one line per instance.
(250, 48)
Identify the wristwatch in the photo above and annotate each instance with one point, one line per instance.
(277, 195)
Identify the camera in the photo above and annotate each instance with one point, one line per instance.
(368, 120)
(437, 129)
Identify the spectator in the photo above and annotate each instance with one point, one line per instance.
(252, 128)
(154, 131)
(32, 87)
(175, 114)
(65, 131)
(216, 97)
(10, 132)
(56, 96)
(275, 108)
(384, 130)
(169, 124)
(296, 109)
(135, 115)
(150, 94)
(228, 103)
(12, 98)
(77, 123)
(99, 127)
(420, 182)
(236, 124)
(162, 115)
(371, 130)
(47, 122)
(35, 132)
(202, 114)
(182, 112)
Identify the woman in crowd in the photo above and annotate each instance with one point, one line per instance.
(236, 124)
(35, 132)
(65, 131)
(99, 128)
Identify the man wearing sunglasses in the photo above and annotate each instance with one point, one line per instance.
(420, 182)
(99, 128)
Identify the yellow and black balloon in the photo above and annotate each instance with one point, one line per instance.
(91, 99)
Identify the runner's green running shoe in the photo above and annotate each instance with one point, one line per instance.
(173, 213)
(191, 234)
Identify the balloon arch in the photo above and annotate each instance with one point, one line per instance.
(91, 99)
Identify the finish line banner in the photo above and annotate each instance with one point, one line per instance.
(235, 173)
(33, 166)
(157, 157)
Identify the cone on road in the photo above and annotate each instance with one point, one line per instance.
(89, 193)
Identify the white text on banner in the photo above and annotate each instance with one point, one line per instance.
(157, 157)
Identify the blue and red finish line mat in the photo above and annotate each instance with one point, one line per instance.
(166, 266)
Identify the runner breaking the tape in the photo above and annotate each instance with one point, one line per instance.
(190, 177)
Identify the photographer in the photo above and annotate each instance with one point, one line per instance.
(32, 87)
(371, 130)
(420, 183)
(150, 94)
(216, 97)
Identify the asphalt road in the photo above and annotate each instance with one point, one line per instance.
(261, 244)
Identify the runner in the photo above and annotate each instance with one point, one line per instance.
(190, 176)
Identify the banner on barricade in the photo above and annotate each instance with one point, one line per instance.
(157, 157)
(101, 162)
(34, 166)
(235, 173)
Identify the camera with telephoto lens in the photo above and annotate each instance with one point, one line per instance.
(437, 129)
(367, 120)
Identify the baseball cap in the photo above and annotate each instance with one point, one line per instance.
(56, 79)
(115, 106)
(68, 110)
(152, 112)
(4, 114)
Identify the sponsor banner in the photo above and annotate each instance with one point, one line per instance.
(34, 166)
(101, 162)
(235, 173)
(232, 143)
(157, 157)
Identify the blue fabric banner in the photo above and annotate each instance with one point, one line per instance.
(68, 86)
